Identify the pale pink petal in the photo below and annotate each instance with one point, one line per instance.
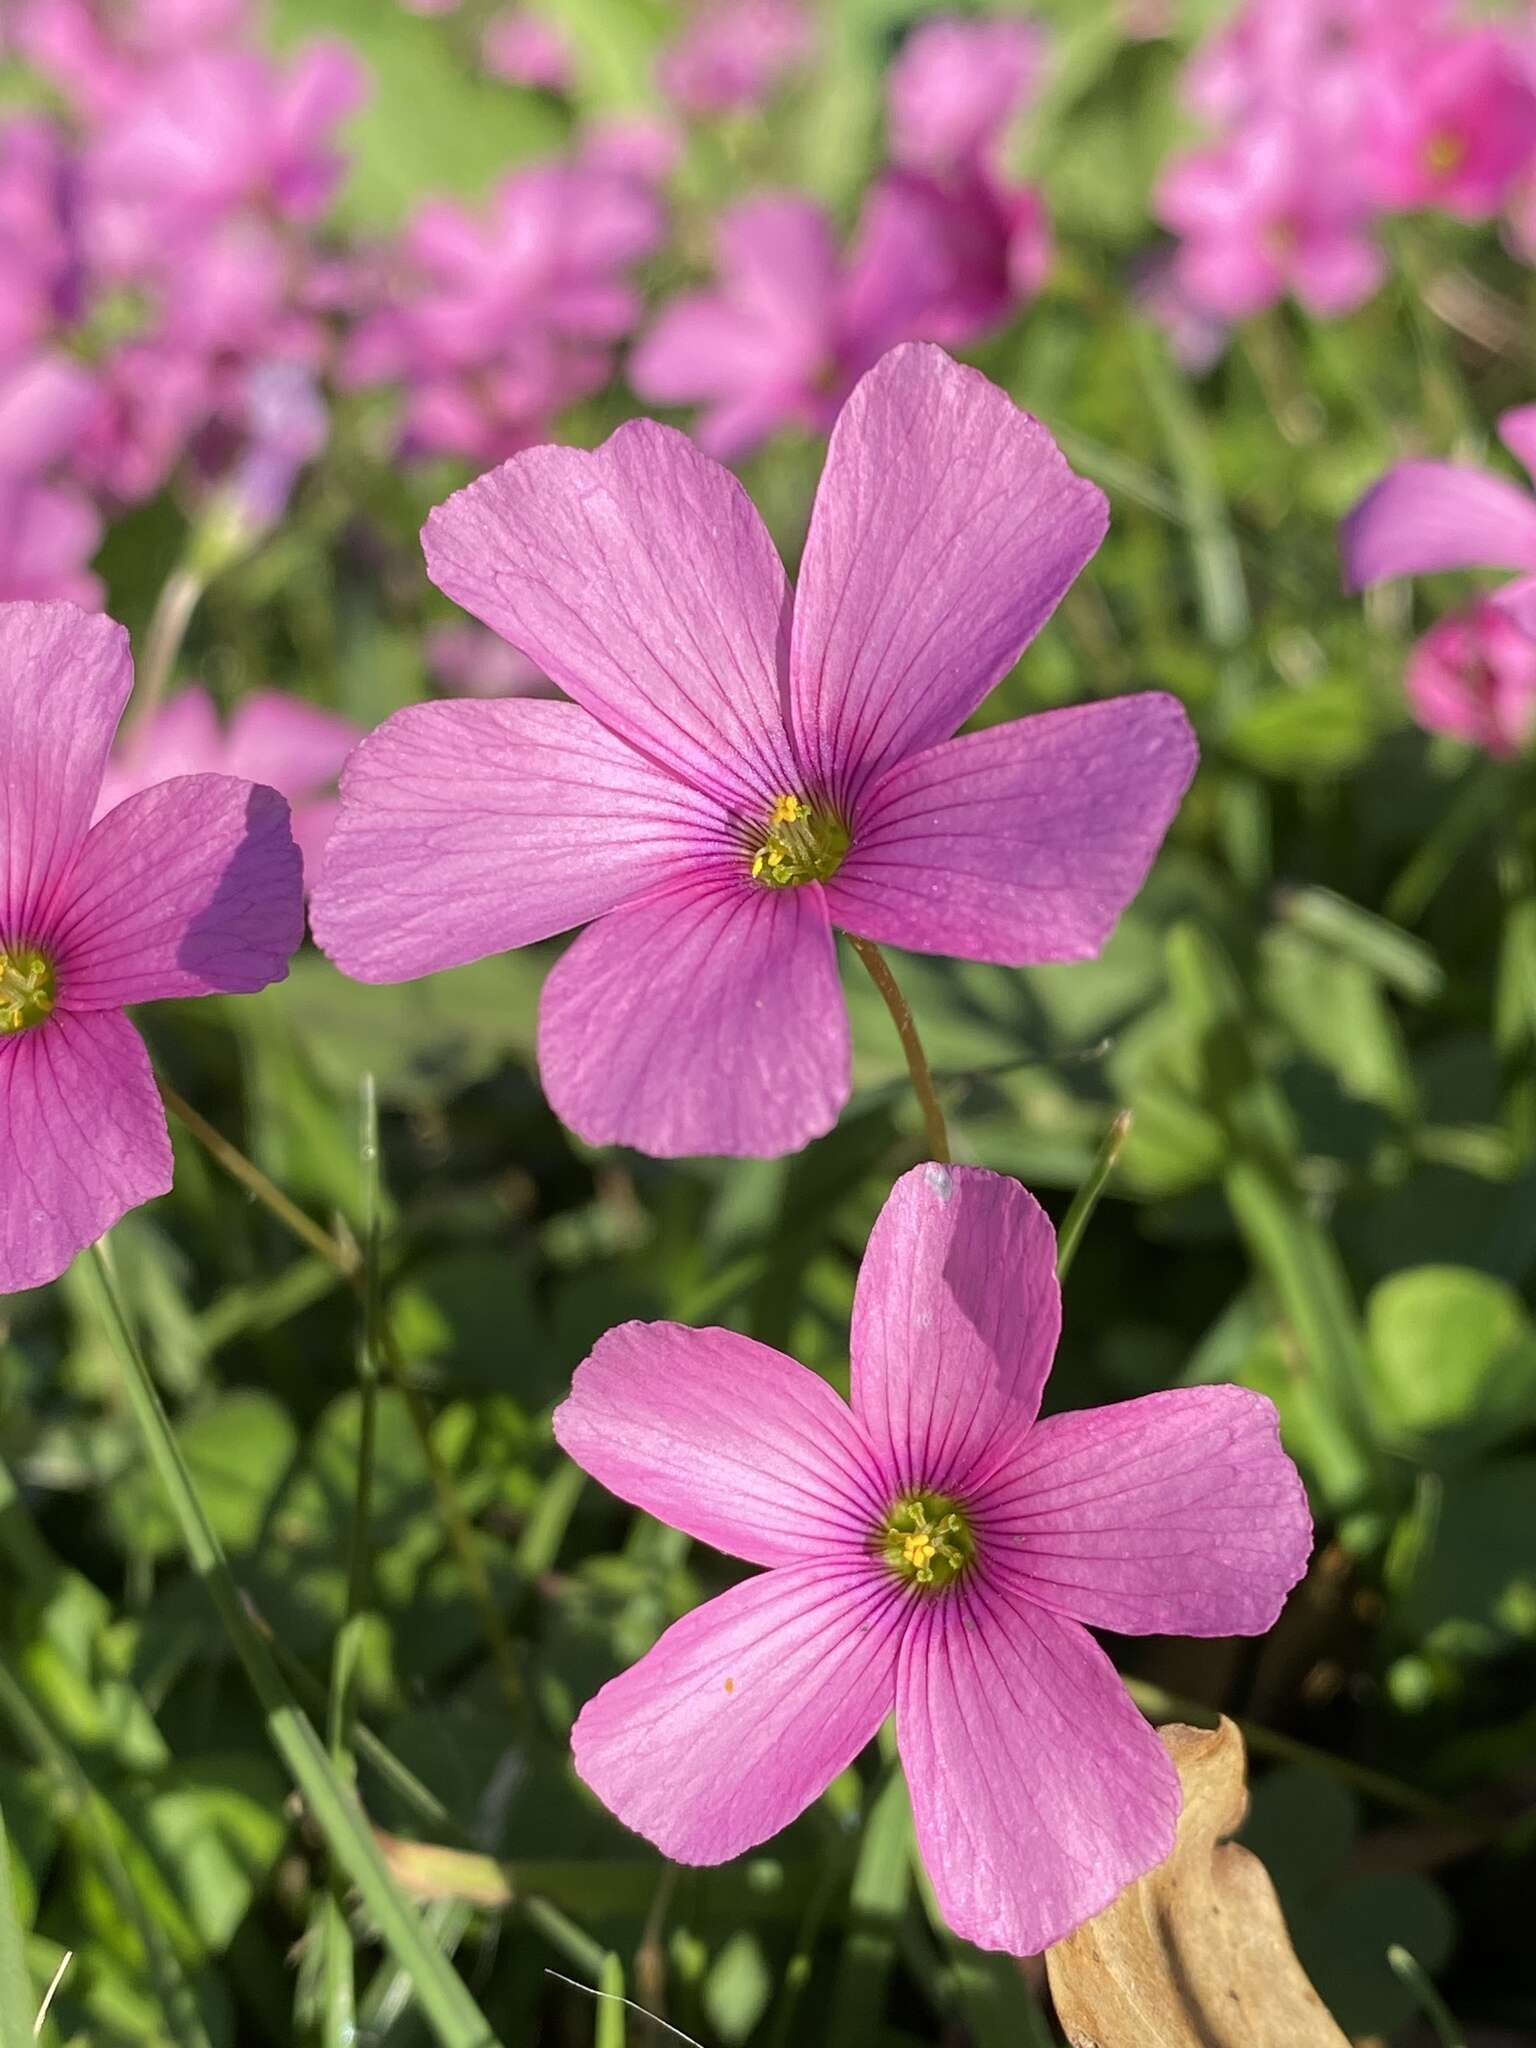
(470, 828)
(1021, 843)
(946, 529)
(294, 747)
(640, 579)
(708, 1021)
(1038, 1791)
(1517, 430)
(183, 737)
(1178, 1514)
(746, 1709)
(955, 1321)
(191, 888)
(1424, 516)
(83, 1137)
(64, 679)
(727, 1439)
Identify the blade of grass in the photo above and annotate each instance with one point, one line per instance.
(1410, 1972)
(445, 1999)
(97, 1825)
(18, 2001)
(1086, 1200)
(881, 1881)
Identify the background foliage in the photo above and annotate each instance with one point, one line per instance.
(1321, 1013)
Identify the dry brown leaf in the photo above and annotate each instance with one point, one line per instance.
(1196, 1954)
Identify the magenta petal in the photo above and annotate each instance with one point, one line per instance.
(468, 829)
(294, 747)
(1021, 843)
(746, 1709)
(640, 578)
(1178, 1514)
(947, 527)
(191, 888)
(725, 1438)
(955, 1321)
(1517, 430)
(1038, 1790)
(1424, 516)
(84, 1140)
(64, 679)
(710, 1020)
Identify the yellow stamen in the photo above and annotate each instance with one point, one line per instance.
(927, 1540)
(1443, 154)
(800, 843)
(27, 989)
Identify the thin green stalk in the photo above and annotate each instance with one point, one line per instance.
(98, 1822)
(1086, 1200)
(344, 1261)
(906, 1030)
(18, 2001)
(180, 595)
(1418, 883)
(445, 2000)
(339, 1966)
(1409, 1971)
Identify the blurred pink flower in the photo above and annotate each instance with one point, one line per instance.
(742, 770)
(1473, 675)
(956, 84)
(935, 1549)
(524, 47)
(734, 54)
(1426, 516)
(495, 322)
(276, 740)
(1451, 124)
(1267, 212)
(468, 661)
(48, 534)
(1196, 336)
(189, 889)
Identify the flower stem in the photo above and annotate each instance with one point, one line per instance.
(1086, 1200)
(445, 1999)
(906, 1030)
(344, 1260)
(180, 595)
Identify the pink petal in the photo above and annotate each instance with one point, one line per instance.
(1178, 1514)
(471, 828)
(746, 1709)
(946, 529)
(64, 679)
(1424, 516)
(83, 1136)
(1038, 1791)
(724, 1438)
(955, 1321)
(294, 747)
(1021, 843)
(191, 888)
(183, 737)
(640, 578)
(710, 1020)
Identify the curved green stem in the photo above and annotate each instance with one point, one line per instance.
(911, 1045)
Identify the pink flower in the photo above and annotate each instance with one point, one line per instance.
(1273, 210)
(1426, 516)
(733, 55)
(186, 890)
(955, 86)
(524, 48)
(932, 1549)
(1473, 675)
(1451, 124)
(290, 746)
(743, 770)
(467, 661)
(48, 534)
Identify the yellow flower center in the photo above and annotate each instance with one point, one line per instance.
(800, 843)
(927, 1540)
(27, 990)
(1443, 154)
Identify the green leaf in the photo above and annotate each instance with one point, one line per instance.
(1320, 731)
(1452, 1357)
(239, 1448)
(738, 1987)
(1473, 1594)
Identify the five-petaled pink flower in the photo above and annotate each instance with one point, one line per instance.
(188, 889)
(742, 770)
(934, 1549)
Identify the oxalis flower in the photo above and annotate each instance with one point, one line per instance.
(741, 770)
(188, 889)
(935, 1549)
